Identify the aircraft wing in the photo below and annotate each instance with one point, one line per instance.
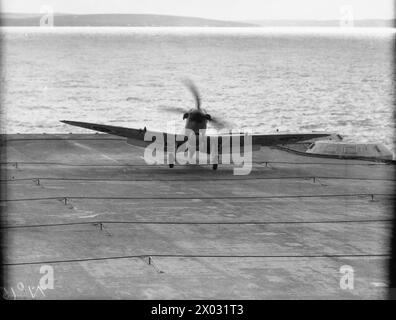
(289, 138)
(134, 136)
(266, 140)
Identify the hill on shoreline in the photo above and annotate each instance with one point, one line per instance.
(117, 20)
(152, 20)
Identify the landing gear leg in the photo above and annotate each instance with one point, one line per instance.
(214, 154)
(171, 159)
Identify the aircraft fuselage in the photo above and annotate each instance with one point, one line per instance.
(196, 120)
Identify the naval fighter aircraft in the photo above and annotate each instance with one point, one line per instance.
(196, 121)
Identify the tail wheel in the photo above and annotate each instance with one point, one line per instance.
(215, 166)
(171, 165)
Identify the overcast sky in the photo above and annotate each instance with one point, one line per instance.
(215, 9)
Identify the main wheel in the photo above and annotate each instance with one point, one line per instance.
(215, 166)
(171, 165)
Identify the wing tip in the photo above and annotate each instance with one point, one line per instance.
(66, 121)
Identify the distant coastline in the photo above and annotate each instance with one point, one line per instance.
(116, 20)
(366, 23)
(151, 20)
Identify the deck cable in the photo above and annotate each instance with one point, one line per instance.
(193, 223)
(140, 256)
(168, 198)
(198, 179)
(164, 165)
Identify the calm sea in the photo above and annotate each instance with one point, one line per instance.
(265, 79)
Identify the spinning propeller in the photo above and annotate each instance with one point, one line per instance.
(197, 114)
